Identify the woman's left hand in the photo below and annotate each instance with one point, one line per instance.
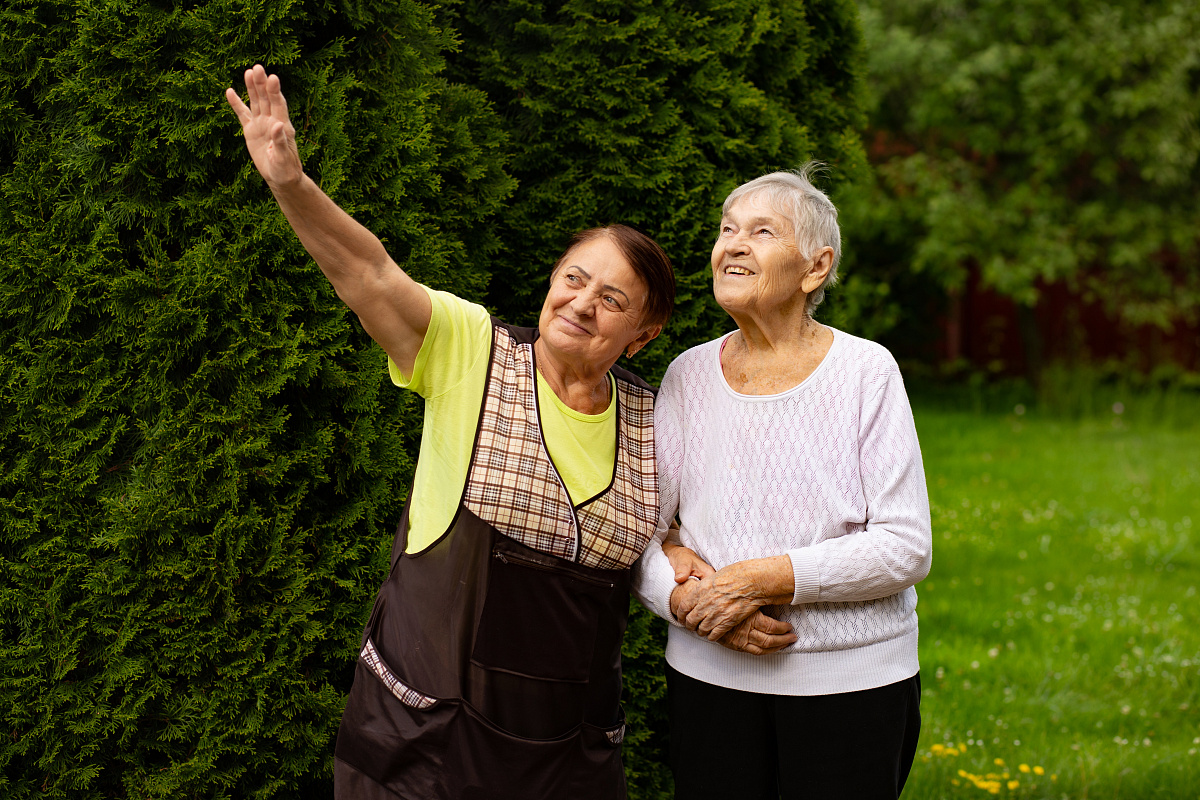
(685, 562)
(727, 597)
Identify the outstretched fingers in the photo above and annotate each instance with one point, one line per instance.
(239, 108)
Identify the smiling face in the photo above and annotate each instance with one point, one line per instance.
(595, 307)
(757, 265)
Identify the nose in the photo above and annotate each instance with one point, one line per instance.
(583, 303)
(737, 244)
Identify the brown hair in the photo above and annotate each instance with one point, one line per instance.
(647, 259)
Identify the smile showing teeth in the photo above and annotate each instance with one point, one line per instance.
(734, 269)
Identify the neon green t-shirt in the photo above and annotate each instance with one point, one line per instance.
(450, 373)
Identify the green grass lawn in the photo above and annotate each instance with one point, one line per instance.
(1060, 625)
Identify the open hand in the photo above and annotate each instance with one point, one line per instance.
(270, 137)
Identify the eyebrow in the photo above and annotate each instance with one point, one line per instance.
(608, 286)
(772, 222)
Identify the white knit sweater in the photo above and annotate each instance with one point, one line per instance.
(828, 472)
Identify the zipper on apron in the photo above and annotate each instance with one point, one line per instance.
(513, 558)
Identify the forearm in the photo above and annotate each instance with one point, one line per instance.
(350, 256)
(760, 581)
(654, 579)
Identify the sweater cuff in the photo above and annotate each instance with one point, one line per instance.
(654, 581)
(806, 574)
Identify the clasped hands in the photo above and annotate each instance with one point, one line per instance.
(725, 606)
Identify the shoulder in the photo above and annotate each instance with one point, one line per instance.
(454, 315)
(870, 362)
(635, 381)
(694, 362)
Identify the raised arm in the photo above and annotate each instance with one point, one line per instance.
(393, 308)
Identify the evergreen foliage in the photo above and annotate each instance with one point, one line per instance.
(202, 463)
(201, 466)
(1039, 142)
(649, 113)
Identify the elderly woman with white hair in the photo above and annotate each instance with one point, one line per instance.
(787, 451)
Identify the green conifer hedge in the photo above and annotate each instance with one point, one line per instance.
(201, 466)
(649, 112)
(200, 459)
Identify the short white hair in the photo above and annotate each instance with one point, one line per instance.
(813, 216)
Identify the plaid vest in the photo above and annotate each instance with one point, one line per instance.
(513, 485)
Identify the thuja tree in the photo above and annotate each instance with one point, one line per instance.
(649, 113)
(200, 464)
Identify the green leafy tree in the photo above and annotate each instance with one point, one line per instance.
(1038, 142)
(201, 466)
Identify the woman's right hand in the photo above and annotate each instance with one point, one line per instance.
(270, 136)
(759, 635)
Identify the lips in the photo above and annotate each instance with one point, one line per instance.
(575, 326)
(736, 269)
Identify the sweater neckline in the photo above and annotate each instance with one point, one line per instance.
(838, 336)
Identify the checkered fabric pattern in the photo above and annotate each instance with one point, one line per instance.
(402, 691)
(513, 485)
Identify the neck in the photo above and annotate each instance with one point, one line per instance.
(777, 332)
(583, 387)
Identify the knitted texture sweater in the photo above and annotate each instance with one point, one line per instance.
(828, 472)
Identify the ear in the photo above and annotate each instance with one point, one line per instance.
(818, 270)
(644, 338)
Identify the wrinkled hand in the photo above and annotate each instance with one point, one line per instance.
(717, 604)
(685, 562)
(270, 137)
(712, 608)
(759, 635)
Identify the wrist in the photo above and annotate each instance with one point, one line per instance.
(678, 594)
(760, 581)
(290, 184)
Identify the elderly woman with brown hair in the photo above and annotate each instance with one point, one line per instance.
(788, 451)
(491, 662)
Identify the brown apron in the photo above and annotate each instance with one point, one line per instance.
(491, 662)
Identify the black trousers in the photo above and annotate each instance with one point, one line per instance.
(727, 743)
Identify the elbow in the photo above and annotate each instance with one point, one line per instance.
(924, 563)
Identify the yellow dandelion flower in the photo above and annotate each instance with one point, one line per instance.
(1053, 777)
(937, 748)
(962, 773)
(999, 762)
(1039, 771)
(1024, 768)
(950, 751)
(1013, 785)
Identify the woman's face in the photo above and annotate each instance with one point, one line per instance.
(757, 266)
(594, 308)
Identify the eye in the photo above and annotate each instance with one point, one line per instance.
(612, 301)
(573, 278)
(767, 231)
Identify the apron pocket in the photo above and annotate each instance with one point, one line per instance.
(399, 689)
(540, 615)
